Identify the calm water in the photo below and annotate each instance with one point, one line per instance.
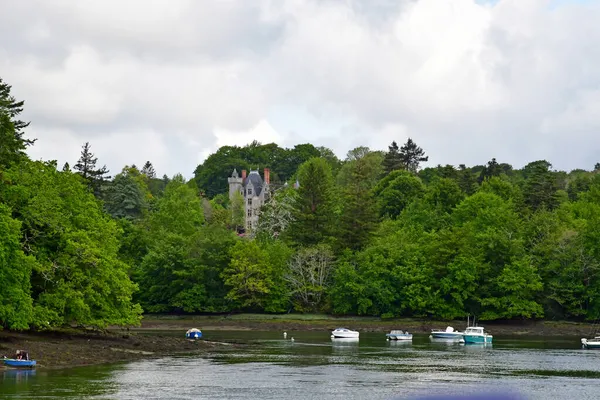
(315, 367)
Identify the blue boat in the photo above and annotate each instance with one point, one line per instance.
(193, 333)
(12, 362)
(476, 334)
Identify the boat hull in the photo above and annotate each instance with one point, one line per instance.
(479, 339)
(447, 335)
(344, 335)
(590, 343)
(398, 337)
(10, 362)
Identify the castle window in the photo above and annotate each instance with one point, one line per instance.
(249, 191)
(249, 202)
(249, 212)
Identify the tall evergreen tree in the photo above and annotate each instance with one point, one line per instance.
(86, 167)
(392, 160)
(359, 207)
(148, 170)
(12, 141)
(411, 156)
(315, 204)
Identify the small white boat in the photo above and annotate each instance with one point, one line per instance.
(448, 333)
(344, 333)
(591, 343)
(399, 335)
(476, 334)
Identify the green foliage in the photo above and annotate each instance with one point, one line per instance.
(12, 141)
(396, 191)
(412, 156)
(86, 167)
(211, 176)
(124, 197)
(255, 276)
(313, 215)
(77, 277)
(359, 207)
(16, 305)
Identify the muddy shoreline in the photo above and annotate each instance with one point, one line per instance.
(72, 349)
(79, 348)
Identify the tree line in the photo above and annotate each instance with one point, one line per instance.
(372, 234)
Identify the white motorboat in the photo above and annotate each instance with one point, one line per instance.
(591, 343)
(448, 333)
(344, 333)
(399, 335)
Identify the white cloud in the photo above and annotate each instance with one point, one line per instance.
(172, 81)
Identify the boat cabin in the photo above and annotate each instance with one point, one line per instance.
(474, 330)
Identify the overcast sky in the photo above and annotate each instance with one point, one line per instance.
(171, 81)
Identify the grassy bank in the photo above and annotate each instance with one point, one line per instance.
(314, 322)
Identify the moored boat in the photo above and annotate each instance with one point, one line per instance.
(591, 343)
(193, 333)
(399, 335)
(344, 333)
(448, 333)
(476, 334)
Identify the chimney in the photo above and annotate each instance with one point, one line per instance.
(243, 175)
(267, 176)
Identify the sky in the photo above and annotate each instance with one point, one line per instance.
(172, 81)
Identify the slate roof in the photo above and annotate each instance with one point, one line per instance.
(254, 178)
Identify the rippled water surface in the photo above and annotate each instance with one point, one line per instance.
(314, 366)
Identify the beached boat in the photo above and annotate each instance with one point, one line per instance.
(193, 333)
(448, 333)
(11, 362)
(21, 360)
(476, 334)
(591, 343)
(344, 333)
(399, 335)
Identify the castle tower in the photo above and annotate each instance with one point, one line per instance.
(236, 184)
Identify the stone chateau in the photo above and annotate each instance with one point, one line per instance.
(255, 192)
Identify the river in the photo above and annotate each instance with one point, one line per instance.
(315, 367)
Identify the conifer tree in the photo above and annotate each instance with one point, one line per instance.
(411, 156)
(392, 160)
(12, 141)
(86, 167)
(315, 204)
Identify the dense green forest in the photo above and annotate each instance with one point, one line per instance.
(372, 234)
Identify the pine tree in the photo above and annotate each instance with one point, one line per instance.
(392, 160)
(315, 204)
(359, 207)
(86, 167)
(12, 142)
(411, 156)
(148, 170)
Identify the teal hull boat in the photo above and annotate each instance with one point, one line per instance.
(477, 335)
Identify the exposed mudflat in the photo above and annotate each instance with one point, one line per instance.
(59, 349)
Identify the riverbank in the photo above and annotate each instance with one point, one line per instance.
(320, 322)
(76, 348)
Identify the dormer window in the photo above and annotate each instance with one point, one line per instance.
(249, 191)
